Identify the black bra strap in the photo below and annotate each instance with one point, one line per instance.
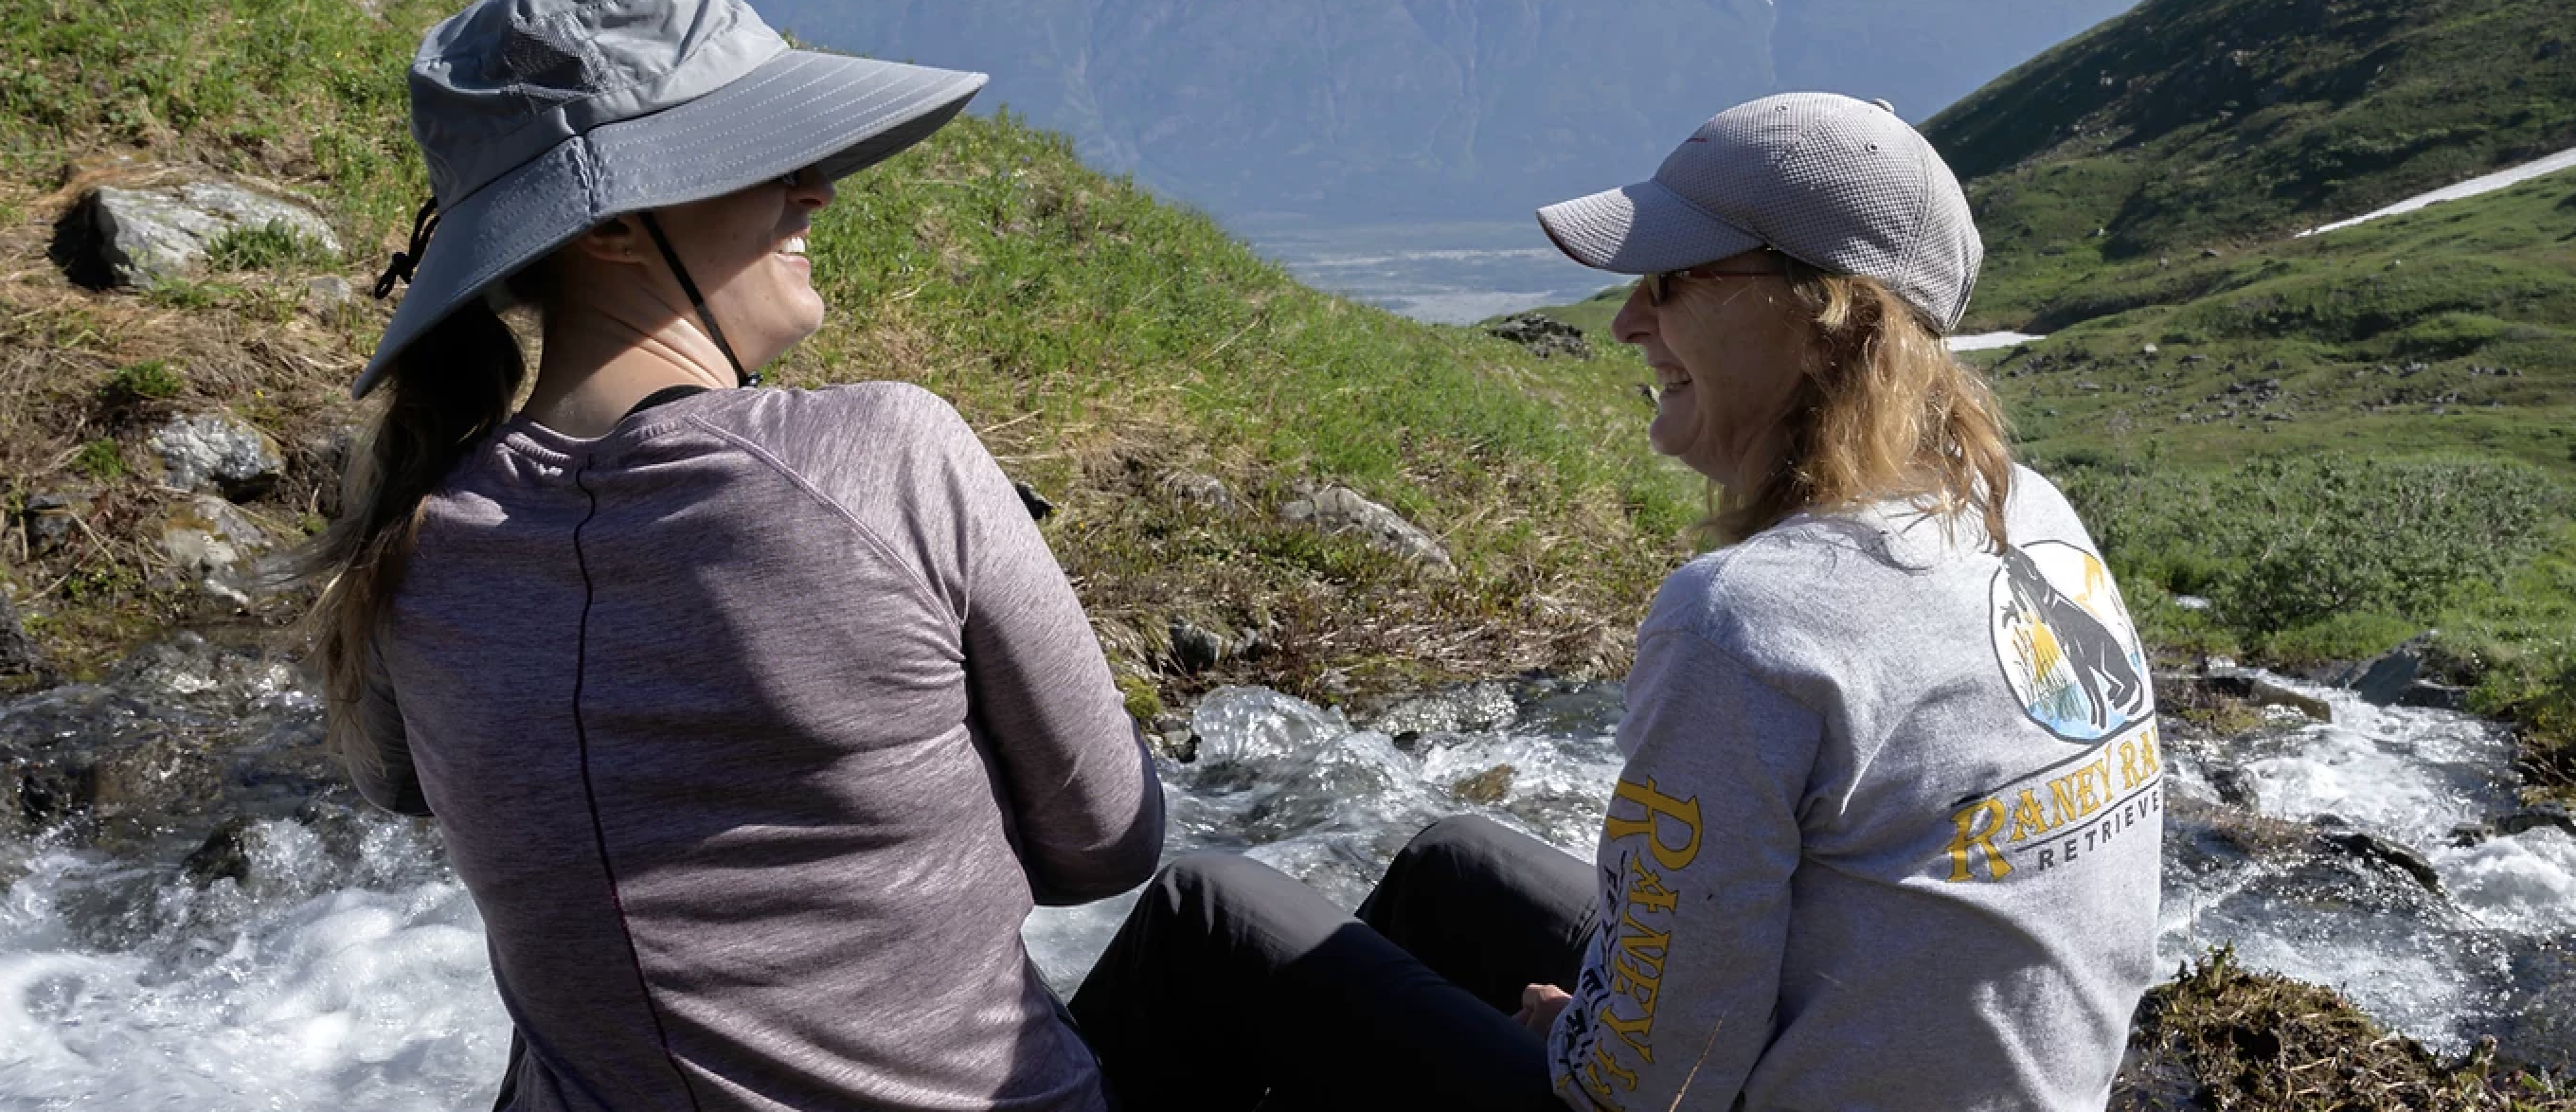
(665, 396)
(695, 301)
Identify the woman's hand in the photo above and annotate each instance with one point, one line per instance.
(1539, 1007)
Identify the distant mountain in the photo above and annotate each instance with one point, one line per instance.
(1425, 108)
(2190, 125)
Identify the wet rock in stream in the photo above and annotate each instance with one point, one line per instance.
(179, 737)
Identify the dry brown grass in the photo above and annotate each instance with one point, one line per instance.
(2221, 1037)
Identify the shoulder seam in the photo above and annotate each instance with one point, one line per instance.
(1737, 659)
(911, 574)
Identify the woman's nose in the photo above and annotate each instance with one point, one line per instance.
(812, 189)
(1636, 319)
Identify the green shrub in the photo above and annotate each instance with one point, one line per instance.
(101, 460)
(2356, 635)
(181, 293)
(2285, 544)
(2452, 334)
(150, 380)
(271, 246)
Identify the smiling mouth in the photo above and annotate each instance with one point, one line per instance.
(793, 248)
(1669, 379)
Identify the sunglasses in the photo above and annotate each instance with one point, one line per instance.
(1659, 284)
(790, 179)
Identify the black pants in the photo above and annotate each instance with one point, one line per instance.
(1230, 982)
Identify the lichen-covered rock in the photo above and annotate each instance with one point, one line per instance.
(210, 451)
(53, 518)
(141, 237)
(1195, 648)
(1342, 510)
(213, 544)
(1202, 490)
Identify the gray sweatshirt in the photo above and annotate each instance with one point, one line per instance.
(755, 727)
(1889, 830)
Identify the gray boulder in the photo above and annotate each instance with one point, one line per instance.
(1541, 335)
(211, 543)
(2537, 816)
(1203, 490)
(212, 451)
(2395, 678)
(53, 519)
(1195, 648)
(140, 237)
(1342, 510)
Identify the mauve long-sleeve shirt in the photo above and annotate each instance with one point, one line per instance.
(756, 727)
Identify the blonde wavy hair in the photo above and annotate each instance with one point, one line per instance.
(1882, 411)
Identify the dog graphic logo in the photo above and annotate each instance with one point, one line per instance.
(2065, 643)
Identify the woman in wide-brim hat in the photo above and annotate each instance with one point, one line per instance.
(755, 720)
(1887, 835)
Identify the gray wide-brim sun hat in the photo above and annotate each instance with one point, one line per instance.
(540, 119)
(1840, 184)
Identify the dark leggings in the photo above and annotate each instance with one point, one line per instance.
(1231, 983)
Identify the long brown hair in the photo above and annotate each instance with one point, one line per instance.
(445, 393)
(1882, 411)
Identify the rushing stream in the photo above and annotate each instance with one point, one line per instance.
(229, 930)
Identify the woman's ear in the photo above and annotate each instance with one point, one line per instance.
(618, 240)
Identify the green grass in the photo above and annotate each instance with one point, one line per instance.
(2192, 124)
(149, 380)
(101, 460)
(272, 246)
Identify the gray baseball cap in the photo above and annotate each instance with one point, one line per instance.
(540, 119)
(1840, 184)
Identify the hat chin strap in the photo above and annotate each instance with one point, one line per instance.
(696, 301)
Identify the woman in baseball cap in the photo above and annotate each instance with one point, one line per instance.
(1887, 835)
(755, 720)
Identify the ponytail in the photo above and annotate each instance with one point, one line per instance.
(450, 388)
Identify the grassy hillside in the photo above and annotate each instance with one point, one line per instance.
(1104, 344)
(2449, 328)
(2192, 124)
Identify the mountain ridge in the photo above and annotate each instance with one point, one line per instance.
(2185, 125)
